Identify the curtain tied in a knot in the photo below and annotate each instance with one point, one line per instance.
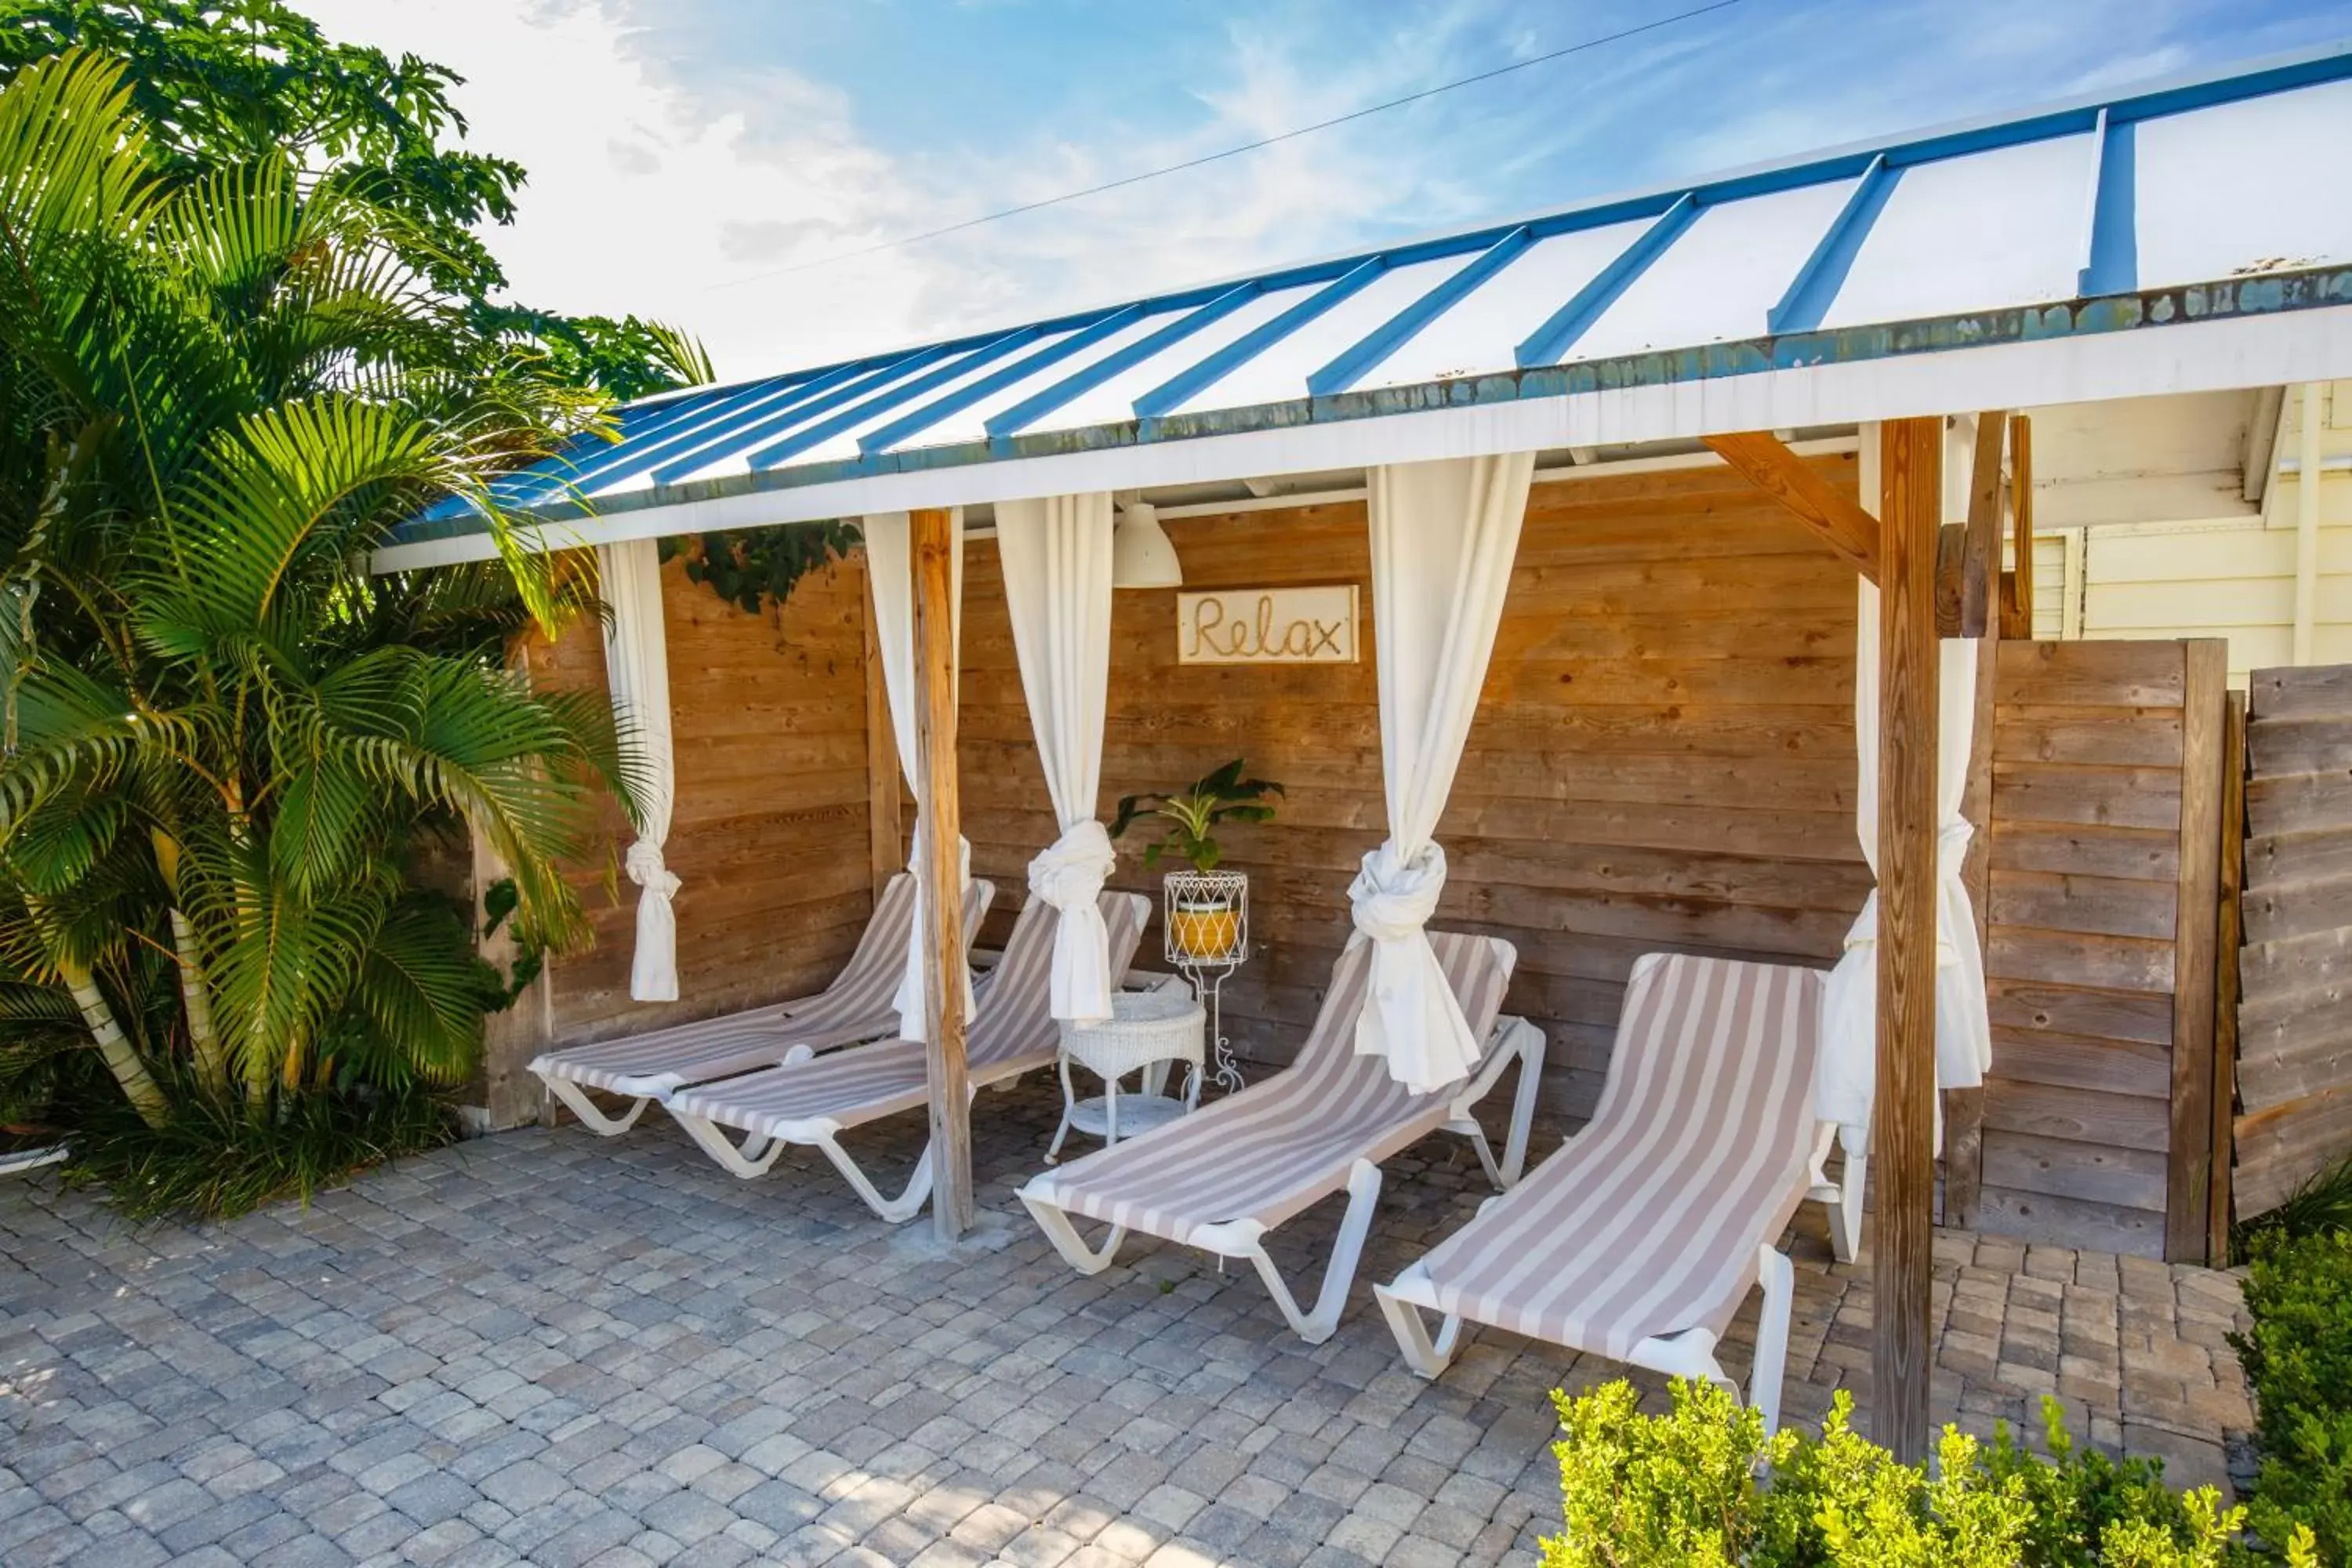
(1069, 874)
(1392, 898)
(646, 868)
(1411, 1016)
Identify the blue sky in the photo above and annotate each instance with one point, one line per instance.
(682, 151)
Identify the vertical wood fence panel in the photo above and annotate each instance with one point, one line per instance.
(2294, 1026)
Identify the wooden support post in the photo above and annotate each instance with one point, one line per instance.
(2232, 924)
(886, 833)
(1980, 555)
(1964, 1108)
(2017, 606)
(1768, 465)
(2188, 1177)
(942, 819)
(1902, 1123)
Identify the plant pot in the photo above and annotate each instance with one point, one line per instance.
(1205, 929)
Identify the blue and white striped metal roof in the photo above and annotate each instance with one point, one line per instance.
(2010, 262)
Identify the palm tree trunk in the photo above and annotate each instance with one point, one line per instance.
(195, 996)
(139, 1085)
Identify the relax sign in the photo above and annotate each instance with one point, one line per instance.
(1267, 626)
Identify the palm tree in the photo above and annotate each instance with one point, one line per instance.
(223, 741)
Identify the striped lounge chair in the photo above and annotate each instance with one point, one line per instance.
(855, 1006)
(1639, 1239)
(1223, 1177)
(812, 1102)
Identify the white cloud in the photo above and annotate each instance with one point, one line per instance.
(648, 197)
(637, 198)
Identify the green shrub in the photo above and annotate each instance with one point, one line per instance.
(215, 1162)
(2298, 1358)
(1704, 1486)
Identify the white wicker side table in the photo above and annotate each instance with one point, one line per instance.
(1147, 1027)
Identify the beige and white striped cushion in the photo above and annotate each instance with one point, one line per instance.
(1278, 1146)
(855, 1006)
(1647, 1221)
(1011, 1031)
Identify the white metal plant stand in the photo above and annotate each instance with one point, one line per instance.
(1207, 921)
(1145, 1028)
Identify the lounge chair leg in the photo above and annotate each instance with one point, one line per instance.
(898, 1210)
(1778, 1279)
(1069, 1098)
(1426, 1357)
(1363, 1197)
(1523, 1106)
(575, 1099)
(1066, 1238)
(1845, 1213)
(736, 1162)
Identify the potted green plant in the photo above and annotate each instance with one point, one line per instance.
(1204, 918)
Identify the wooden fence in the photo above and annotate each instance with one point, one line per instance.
(2102, 944)
(2294, 1027)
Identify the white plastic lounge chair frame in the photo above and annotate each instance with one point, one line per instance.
(812, 1102)
(1760, 1145)
(1201, 1137)
(855, 1007)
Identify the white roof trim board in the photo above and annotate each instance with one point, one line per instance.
(2161, 241)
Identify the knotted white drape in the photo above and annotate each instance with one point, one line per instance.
(637, 669)
(1444, 535)
(890, 555)
(1057, 554)
(1846, 1075)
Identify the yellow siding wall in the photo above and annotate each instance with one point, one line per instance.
(2228, 577)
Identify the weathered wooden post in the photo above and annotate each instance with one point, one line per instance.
(933, 564)
(1903, 1128)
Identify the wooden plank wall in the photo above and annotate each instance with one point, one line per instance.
(768, 839)
(1663, 756)
(2086, 938)
(2294, 1027)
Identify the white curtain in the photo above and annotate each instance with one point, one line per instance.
(1444, 535)
(890, 555)
(636, 668)
(1057, 554)
(1846, 1076)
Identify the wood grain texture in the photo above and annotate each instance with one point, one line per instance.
(2220, 1213)
(934, 548)
(2190, 1186)
(886, 832)
(1834, 517)
(1663, 756)
(1964, 1108)
(766, 712)
(2082, 943)
(1902, 1123)
(2017, 583)
(1980, 558)
(2294, 1021)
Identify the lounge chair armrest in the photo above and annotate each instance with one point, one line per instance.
(1505, 1044)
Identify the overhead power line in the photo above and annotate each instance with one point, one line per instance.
(1369, 109)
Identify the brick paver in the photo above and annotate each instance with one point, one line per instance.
(551, 1348)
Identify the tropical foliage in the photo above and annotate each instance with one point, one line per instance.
(226, 745)
(226, 84)
(1192, 815)
(752, 567)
